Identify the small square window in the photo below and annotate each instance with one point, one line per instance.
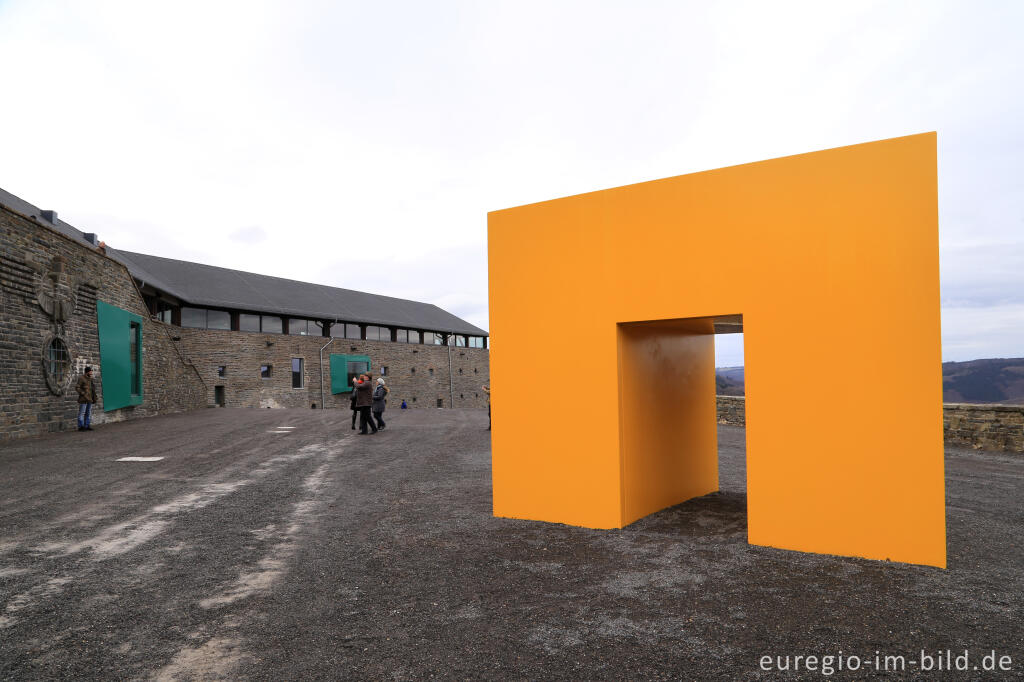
(384, 371)
(413, 370)
(266, 371)
(222, 371)
(460, 370)
(431, 371)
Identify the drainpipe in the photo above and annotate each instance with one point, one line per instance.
(451, 385)
(322, 372)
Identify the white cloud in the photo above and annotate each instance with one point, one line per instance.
(369, 140)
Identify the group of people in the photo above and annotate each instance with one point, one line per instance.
(368, 403)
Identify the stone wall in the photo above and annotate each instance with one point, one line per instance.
(416, 373)
(983, 427)
(732, 410)
(29, 252)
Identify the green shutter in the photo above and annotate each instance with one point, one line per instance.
(115, 329)
(339, 367)
(339, 371)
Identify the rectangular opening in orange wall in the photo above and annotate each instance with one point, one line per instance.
(668, 428)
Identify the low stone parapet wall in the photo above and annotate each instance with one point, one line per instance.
(983, 427)
(732, 409)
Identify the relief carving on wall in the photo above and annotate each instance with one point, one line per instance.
(55, 293)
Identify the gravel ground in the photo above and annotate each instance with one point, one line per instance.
(248, 553)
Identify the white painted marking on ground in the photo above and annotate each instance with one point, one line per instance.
(285, 427)
(139, 459)
(278, 431)
(50, 588)
(273, 566)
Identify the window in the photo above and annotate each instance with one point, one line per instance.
(460, 341)
(438, 339)
(476, 342)
(218, 319)
(271, 324)
(248, 323)
(135, 357)
(193, 317)
(299, 327)
(298, 380)
(377, 333)
(384, 371)
(352, 331)
(355, 368)
(58, 363)
(222, 370)
(430, 371)
(460, 370)
(414, 336)
(402, 335)
(413, 370)
(266, 371)
(164, 313)
(201, 318)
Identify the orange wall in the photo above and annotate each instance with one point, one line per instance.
(831, 258)
(668, 415)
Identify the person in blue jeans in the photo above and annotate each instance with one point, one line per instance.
(86, 398)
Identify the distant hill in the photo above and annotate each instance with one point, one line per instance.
(999, 380)
(995, 380)
(729, 381)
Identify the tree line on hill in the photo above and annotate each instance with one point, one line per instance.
(992, 380)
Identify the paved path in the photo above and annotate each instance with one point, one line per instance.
(256, 551)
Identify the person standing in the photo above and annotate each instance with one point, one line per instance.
(364, 400)
(86, 398)
(380, 395)
(355, 410)
(487, 390)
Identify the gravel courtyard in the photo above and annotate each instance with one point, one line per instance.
(278, 545)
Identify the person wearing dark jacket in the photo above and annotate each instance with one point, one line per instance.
(86, 397)
(380, 395)
(355, 410)
(364, 401)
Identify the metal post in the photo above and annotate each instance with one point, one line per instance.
(322, 371)
(451, 384)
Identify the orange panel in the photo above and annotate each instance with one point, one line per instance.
(667, 409)
(832, 259)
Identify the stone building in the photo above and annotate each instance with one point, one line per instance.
(166, 336)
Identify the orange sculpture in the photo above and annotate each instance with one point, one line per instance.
(829, 264)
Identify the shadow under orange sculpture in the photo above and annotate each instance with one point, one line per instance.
(829, 264)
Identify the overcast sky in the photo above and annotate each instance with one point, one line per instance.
(362, 144)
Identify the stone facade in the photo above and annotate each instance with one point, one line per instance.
(416, 373)
(49, 285)
(985, 427)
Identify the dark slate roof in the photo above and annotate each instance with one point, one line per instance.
(209, 286)
(21, 206)
(206, 285)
